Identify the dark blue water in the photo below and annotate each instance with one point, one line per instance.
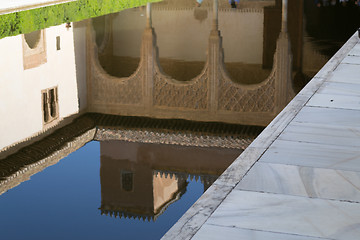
(62, 202)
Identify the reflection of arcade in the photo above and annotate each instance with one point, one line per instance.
(210, 96)
(141, 180)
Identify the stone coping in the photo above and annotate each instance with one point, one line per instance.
(35, 154)
(199, 213)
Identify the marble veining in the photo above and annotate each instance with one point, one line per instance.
(323, 134)
(329, 116)
(313, 155)
(348, 89)
(289, 214)
(303, 181)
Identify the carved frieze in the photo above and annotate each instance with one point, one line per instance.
(176, 94)
(241, 98)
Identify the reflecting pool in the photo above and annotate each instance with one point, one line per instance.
(112, 127)
(90, 195)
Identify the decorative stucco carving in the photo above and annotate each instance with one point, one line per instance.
(211, 96)
(171, 93)
(246, 98)
(115, 90)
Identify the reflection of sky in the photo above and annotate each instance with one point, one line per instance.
(62, 202)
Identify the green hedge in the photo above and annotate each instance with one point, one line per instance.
(31, 20)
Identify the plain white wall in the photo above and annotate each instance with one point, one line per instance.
(20, 91)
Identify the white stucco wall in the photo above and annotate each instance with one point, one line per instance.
(80, 62)
(20, 91)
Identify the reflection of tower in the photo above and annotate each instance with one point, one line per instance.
(207, 181)
(129, 188)
(141, 180)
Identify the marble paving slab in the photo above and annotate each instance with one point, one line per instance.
(348, 89)
(355, 51)
(302, 181)
(329, 116)
(313, 155)
(335, 101)
(351, 59)
(322, 134)
(289, 214)
(347, 73)
(211, 232)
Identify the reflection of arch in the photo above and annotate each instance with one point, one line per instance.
(99, 24)
(211, 96)
(103, 28)
(32, 39)
(109, 57)
(238, 66)
(243, 44)
(159, 178)
(34, 49)
(126, 86)
(182, 49)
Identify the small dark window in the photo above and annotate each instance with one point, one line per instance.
(44, 105)
(127, 181)
(52, 99)
(50, 105)
(58, 43)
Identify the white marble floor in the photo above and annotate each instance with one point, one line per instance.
(304, 177)
(292, 215)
